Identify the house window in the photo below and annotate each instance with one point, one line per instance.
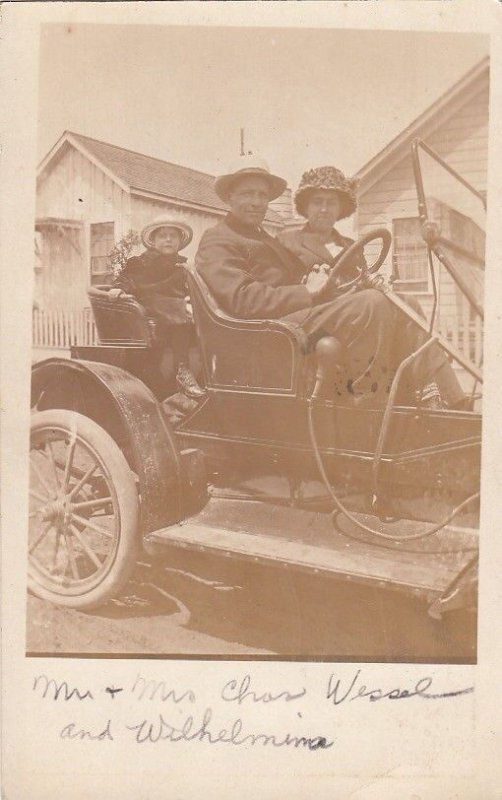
(409, 256)
(465, 233)
(102, 241)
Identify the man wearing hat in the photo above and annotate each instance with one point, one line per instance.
(157, 280)
(253, 276)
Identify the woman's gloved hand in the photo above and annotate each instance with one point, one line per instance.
(316, 281)
(188, 308)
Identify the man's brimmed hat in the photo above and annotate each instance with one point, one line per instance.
(331, 179)
(249, 165)
(165, 221)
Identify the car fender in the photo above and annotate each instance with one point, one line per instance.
(127, 409)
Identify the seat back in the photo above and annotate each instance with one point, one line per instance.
(251, 355)
(119, 321)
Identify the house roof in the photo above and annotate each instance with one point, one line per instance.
(442, 108)
(140, 173)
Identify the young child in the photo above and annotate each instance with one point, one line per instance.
(157, 281)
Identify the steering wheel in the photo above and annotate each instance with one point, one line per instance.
(355, 248)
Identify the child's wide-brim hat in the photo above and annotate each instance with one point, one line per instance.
(249, 165)
(330, 179)
(165, 221)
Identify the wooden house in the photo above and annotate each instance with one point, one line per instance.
(456, 127)
(89, 195)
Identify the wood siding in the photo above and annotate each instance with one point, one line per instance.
(60, 277)
(462, 140)
(74, 189)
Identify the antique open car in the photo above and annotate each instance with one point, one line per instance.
(268, 467)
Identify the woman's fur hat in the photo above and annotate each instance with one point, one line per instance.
(331, 179)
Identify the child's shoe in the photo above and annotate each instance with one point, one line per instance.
(188, 384)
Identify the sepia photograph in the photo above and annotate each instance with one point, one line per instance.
(250, 466)
(257, 343)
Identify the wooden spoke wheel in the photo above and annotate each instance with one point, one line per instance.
(83, 511)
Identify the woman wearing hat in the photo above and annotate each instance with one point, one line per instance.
(157, 281)
(324, 197)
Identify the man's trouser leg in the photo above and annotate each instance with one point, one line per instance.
(431, 365)
(363, 323)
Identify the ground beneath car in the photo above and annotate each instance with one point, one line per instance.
(213, 607)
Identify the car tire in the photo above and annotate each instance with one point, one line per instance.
(83, 513)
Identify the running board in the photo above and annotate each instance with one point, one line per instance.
(359, 562)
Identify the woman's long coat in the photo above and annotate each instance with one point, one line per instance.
(308, 247)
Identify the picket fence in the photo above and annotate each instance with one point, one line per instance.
(63, 329)
(467, 339)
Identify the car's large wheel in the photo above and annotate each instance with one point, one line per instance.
(83, 512)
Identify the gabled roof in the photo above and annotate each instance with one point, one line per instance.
(442, 108)
(139, 173)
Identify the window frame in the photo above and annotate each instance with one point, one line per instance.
(404, 285)
(100, 276)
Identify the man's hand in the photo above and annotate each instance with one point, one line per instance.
(317, 279)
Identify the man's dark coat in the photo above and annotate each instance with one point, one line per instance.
(250, 274)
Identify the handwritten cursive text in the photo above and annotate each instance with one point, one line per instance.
(233, 691)
(355, 690)
(50, 688)
(191, 731)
